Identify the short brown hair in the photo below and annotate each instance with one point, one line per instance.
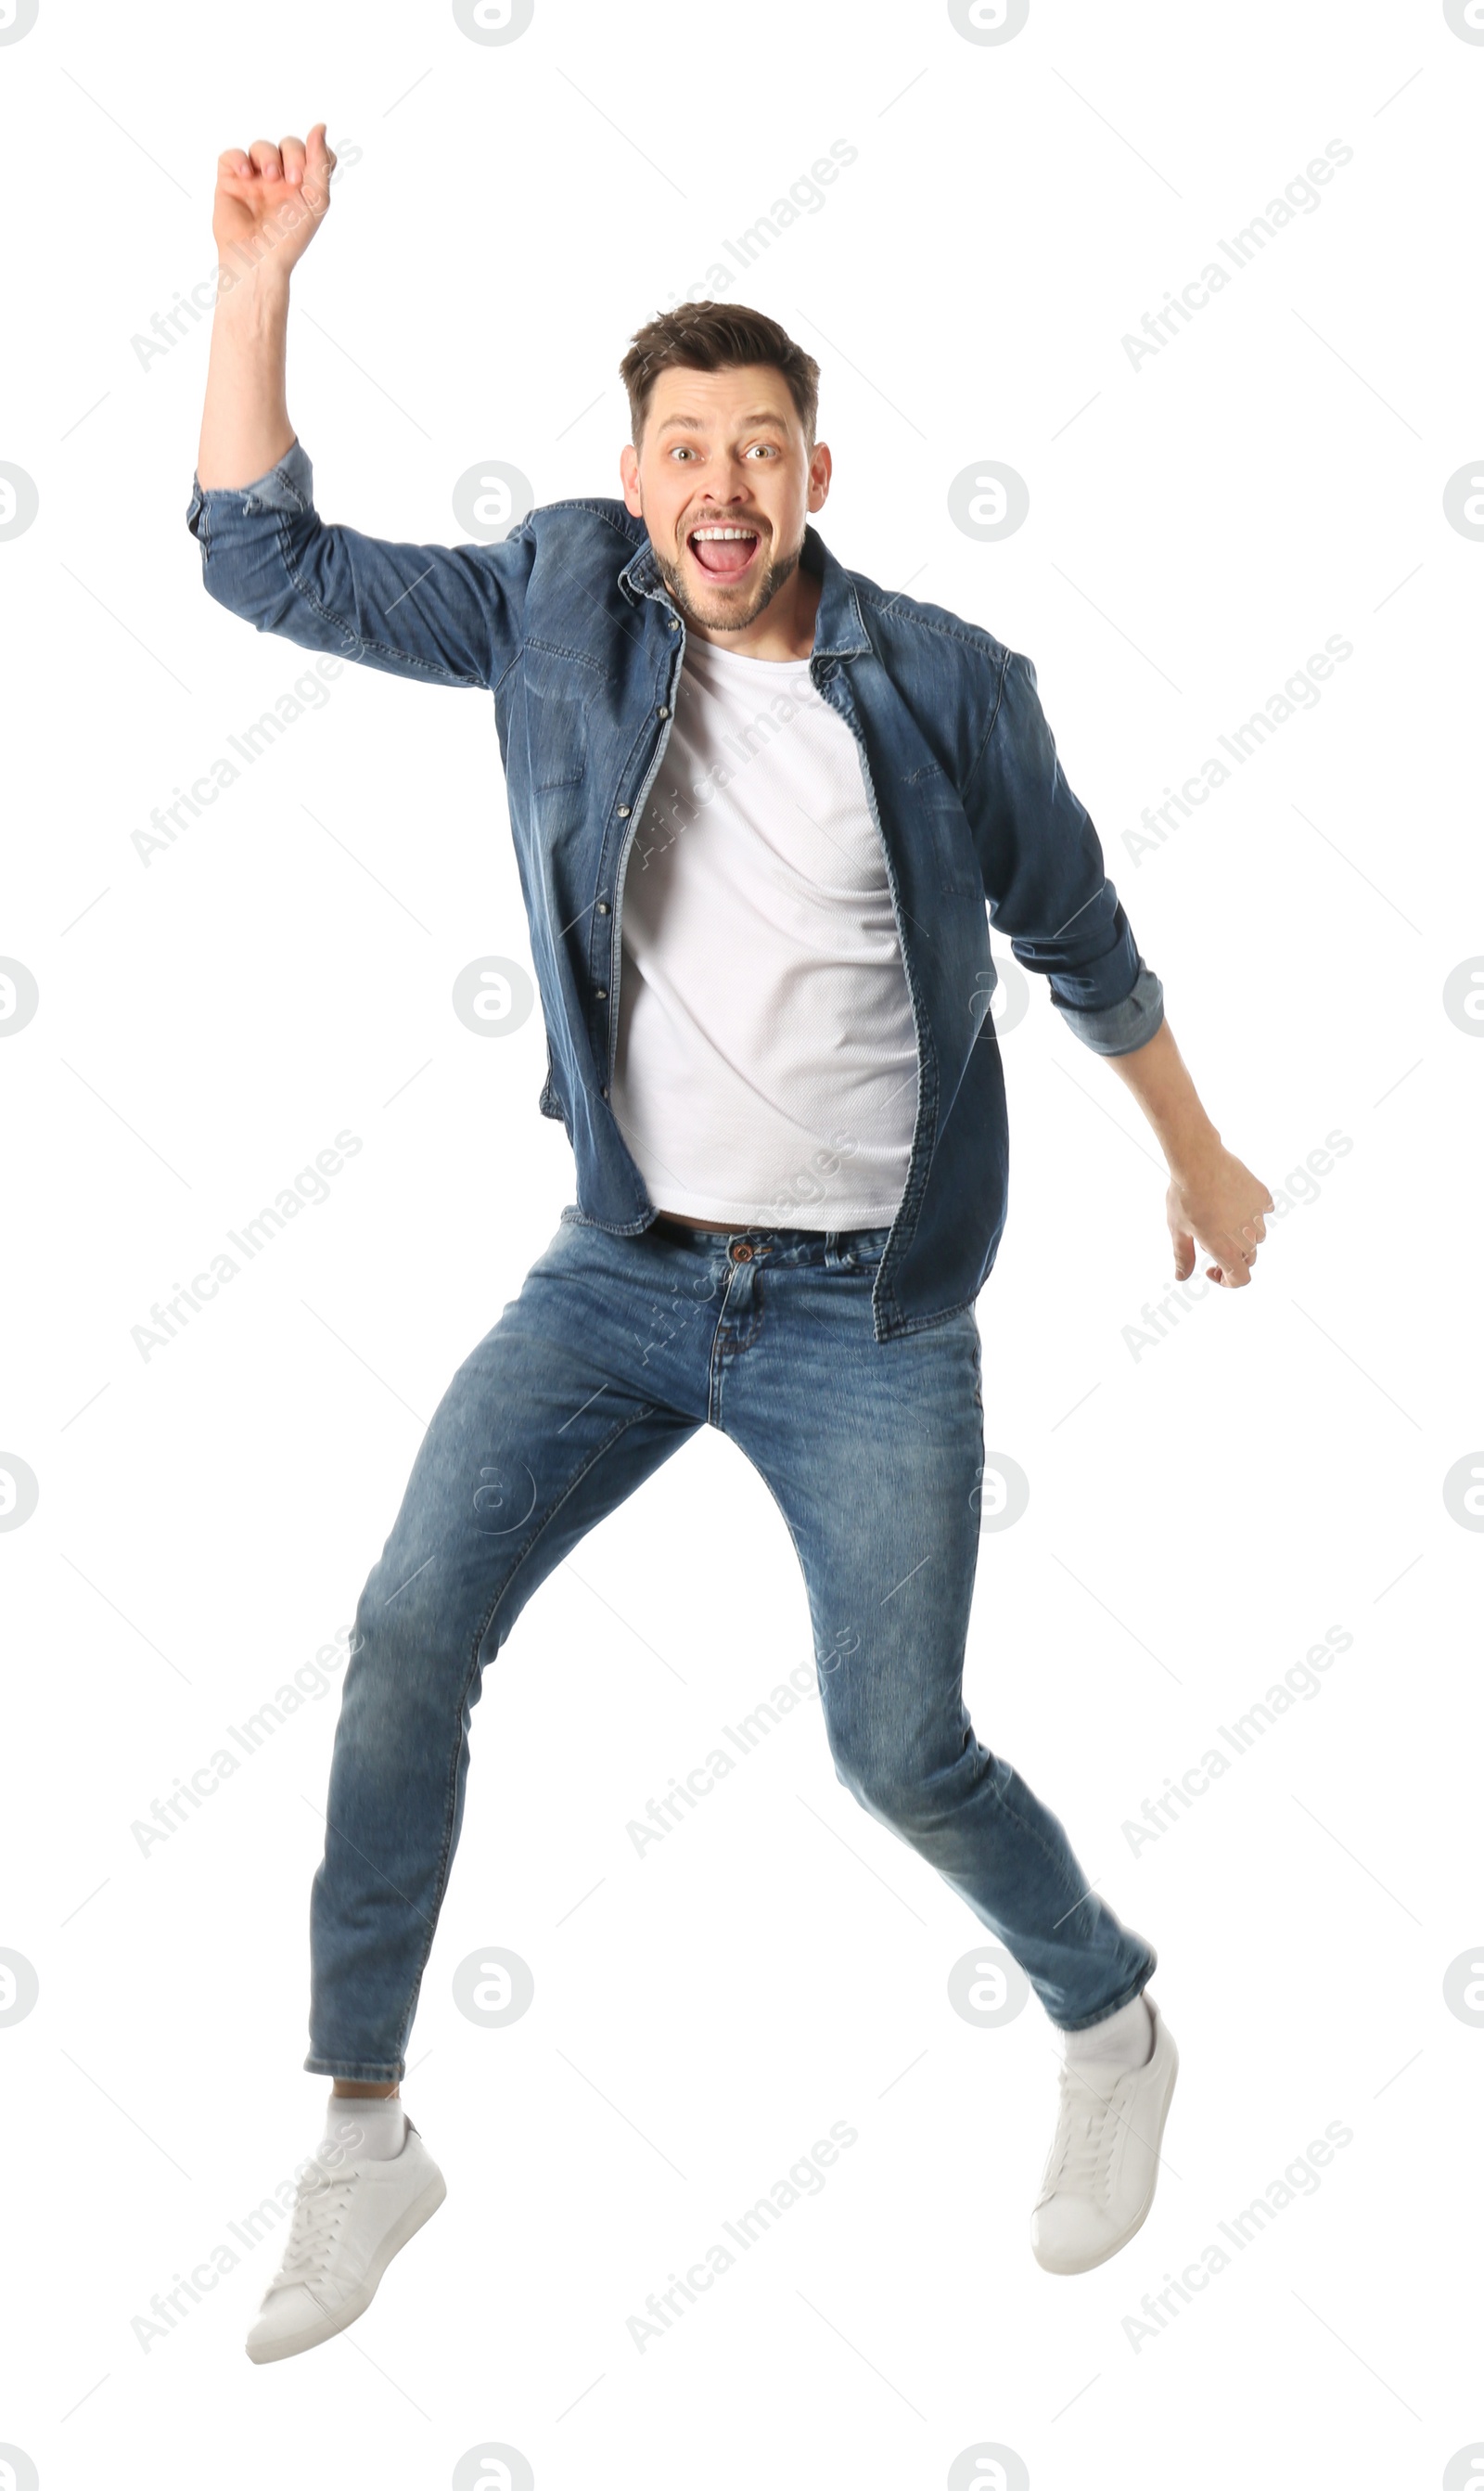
(716, 337)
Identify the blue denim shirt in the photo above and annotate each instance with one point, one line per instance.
(568, 624)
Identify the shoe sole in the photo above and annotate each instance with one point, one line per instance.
(1140, 2218)
(365, 2294)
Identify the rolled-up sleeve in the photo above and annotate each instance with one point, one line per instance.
(1044, 875)
(1118, 1029)
(439, 614)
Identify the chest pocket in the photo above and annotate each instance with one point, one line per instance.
(559, 688)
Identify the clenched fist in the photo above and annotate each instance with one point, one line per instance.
(270, 201)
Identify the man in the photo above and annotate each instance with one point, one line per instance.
(758, 808)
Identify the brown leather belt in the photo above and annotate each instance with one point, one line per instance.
(703, 1227)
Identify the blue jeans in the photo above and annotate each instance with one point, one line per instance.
(615, 1351)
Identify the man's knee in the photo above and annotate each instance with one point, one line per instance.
(912, 1787)
(889, 1785)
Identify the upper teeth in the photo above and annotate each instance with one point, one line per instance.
(723, 532)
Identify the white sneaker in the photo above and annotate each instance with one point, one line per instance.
(1100, 2175)
(348, 2225)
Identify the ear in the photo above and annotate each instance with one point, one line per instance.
(628, 470)
(821, 468)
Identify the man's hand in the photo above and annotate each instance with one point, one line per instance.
(269, 206)
(1214, 1202)
(1217, 1204)
(270, 201)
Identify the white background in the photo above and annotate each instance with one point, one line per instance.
(1199, 1513)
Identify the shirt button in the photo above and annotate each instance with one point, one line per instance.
(603, 908)
(603, 1092)
(674, 624)
(623, 812)
(742, 1253)
(601, 993)
(661, 712)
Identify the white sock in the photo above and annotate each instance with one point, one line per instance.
(361, 2127)
(1125, 2039)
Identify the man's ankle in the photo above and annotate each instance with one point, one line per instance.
(350, 2087)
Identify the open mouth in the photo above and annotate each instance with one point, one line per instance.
(724, 551)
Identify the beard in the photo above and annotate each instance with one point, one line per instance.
(721, 612)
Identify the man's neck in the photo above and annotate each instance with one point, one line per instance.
(784, 630)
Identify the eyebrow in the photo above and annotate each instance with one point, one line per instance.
(695, 422)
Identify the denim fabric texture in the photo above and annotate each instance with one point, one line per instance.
(617, 1348)
(569, 625)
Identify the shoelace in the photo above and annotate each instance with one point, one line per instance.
(1085, 2129)
(318, 2207)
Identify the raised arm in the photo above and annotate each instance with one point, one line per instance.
(269, 206)
(434, 614)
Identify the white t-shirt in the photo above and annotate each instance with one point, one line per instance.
(766, 1064)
